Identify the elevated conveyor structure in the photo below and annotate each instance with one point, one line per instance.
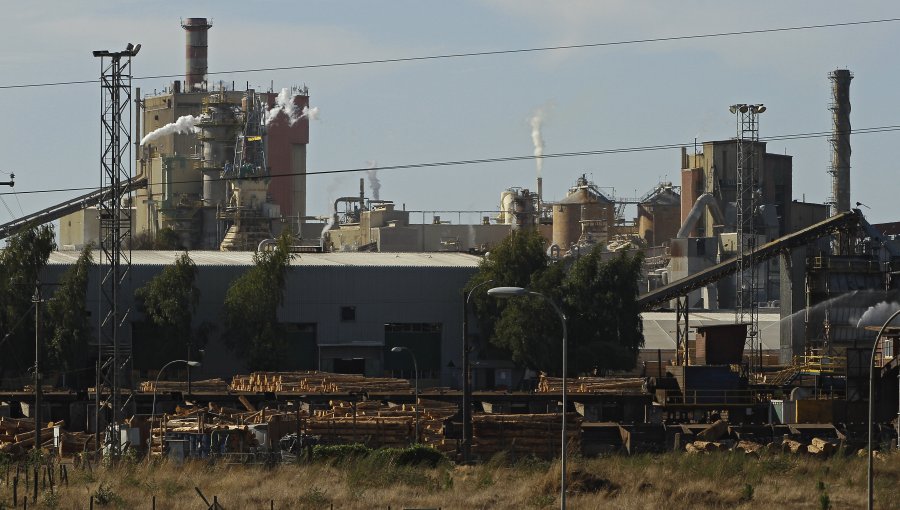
(765, 252)
(64, 208)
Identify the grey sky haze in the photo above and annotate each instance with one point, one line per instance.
(469, 108)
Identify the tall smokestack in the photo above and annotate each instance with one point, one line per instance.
(840, 139)
(195, 46)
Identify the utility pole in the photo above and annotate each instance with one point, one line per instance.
(37, 368)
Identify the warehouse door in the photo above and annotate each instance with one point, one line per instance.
(302, 349)
(350, 366)
(423, 339)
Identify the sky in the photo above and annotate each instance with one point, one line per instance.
(609, 97)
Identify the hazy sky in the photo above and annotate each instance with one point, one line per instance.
(469, 108)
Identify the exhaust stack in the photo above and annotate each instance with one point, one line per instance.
(195, 46)
(840, 140)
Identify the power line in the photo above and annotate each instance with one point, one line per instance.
(484, 53)
(503, 159)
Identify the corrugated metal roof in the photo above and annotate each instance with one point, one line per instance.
(659, 327)
(235, 258)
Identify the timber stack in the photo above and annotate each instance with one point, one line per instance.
(597, 385)
(524, 434)
(202, 386)
(316, 382)
(17, 437)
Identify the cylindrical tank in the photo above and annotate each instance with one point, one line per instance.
(658, 216)
(195, 43)
(506, 207)
(583, 203)
(213, 187)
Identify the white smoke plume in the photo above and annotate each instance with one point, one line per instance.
(327, 227)
(284, 102)
(185, 124)
(536, 120)
(310, 113)
(878, 314)
(374, 183)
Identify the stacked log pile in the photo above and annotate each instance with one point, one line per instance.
(203, 386)
(317, 382)
(228, 424)
(547, 384)
(382, 425)
(818, 447)
(17, 436)
(524, 434)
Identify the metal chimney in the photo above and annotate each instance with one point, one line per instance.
(840, 140)
(195, 31)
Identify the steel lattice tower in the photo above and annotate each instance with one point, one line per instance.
(114, 354)
(747, 286)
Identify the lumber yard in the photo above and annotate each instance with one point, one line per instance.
(765, 319)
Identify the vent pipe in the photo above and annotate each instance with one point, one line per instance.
(840, 140)
(195, 48)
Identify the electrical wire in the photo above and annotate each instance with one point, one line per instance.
(598, 152)
(484, 53)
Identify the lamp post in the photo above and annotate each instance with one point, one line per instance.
(416, 394)
(153, 409)
(508, 292)
(467, 377)
(869, 472)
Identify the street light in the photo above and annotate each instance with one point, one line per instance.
(153, 409)
(509, 292)
(869, 473)
(416, 373)
(467, 377)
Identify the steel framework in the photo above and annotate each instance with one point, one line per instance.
(114, 353)
(747, 287)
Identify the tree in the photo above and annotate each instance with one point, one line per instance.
(252, 330)
(169, 301)
(67, 322)
(21, 263)
(598, 297)
(519, 261)
(605, 327)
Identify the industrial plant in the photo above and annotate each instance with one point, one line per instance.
(758, 309)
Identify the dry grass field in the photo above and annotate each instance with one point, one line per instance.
(719, 480)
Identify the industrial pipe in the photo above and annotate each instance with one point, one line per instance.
(704, 200)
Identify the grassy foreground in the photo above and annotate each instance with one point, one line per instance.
(720, 480)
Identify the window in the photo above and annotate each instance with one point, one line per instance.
(348, 313)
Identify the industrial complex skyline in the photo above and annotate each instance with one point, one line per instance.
(619, 96)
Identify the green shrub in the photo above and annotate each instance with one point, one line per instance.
(341, 452)
(419, 455)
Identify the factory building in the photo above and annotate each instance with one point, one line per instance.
(343, 311)
(714, 171)
(190, 140)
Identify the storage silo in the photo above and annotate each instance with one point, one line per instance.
(584, 208)
(659, 215)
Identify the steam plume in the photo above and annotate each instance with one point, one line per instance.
(374, 183)
(184, 125)
(310, 113)
(284, 102)
(536, 120)
(876, 315)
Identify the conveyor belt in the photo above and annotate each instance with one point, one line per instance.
(59, 210)
(765, 252)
